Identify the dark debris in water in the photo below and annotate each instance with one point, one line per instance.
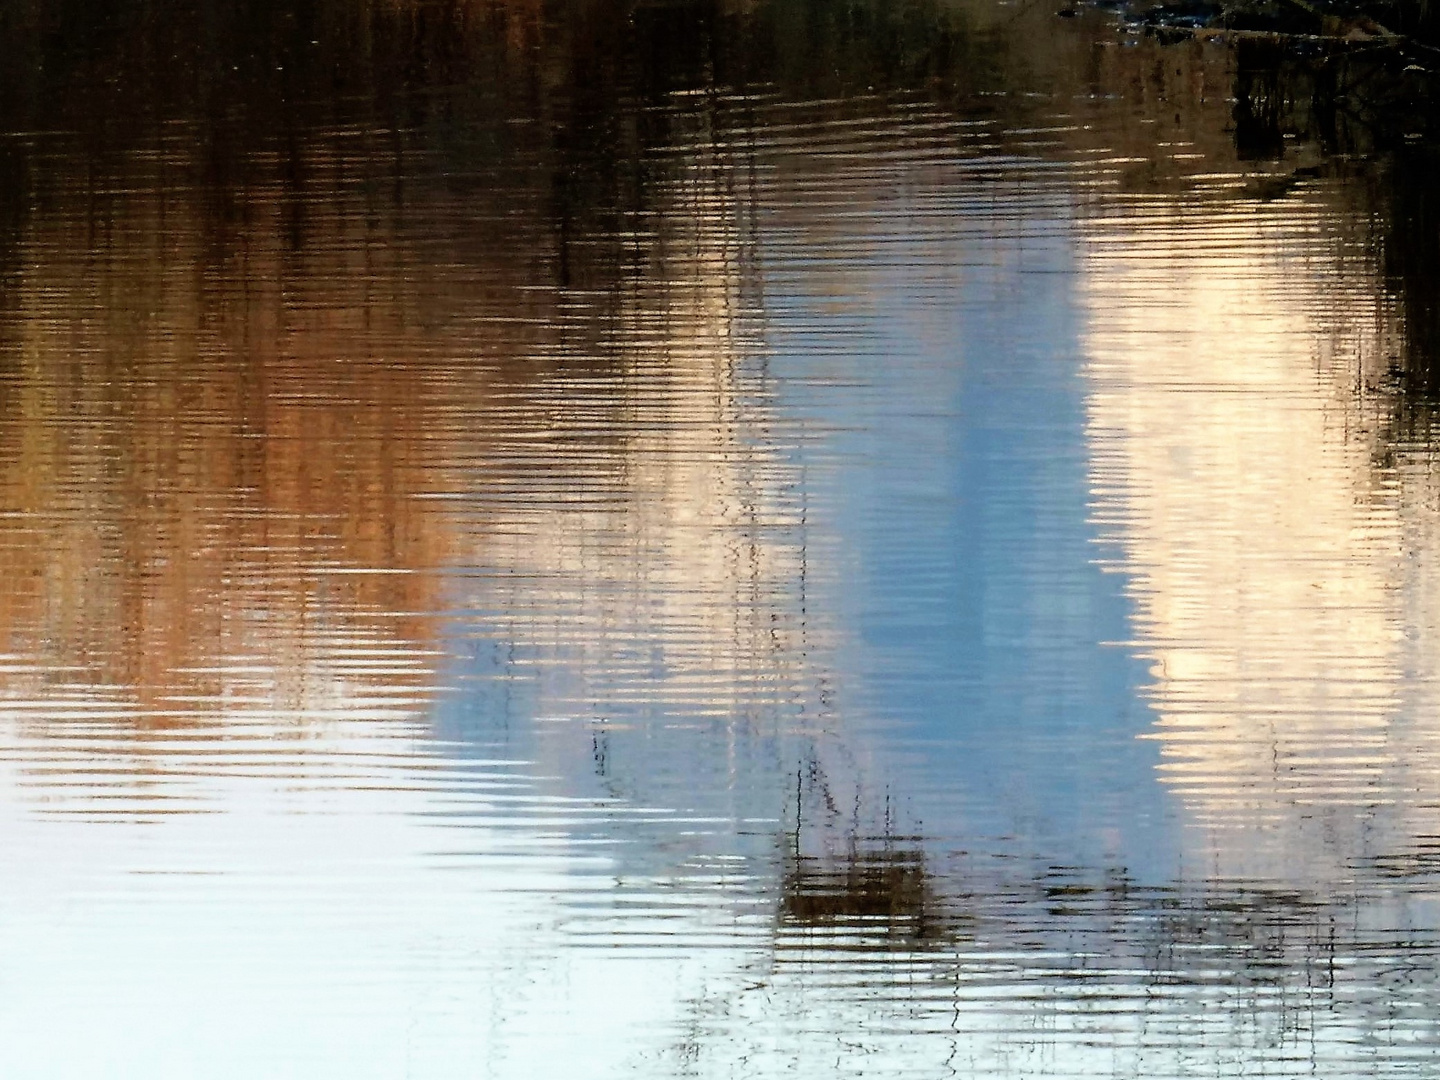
(1336, 21)
(1404, 26)
(1185, 16)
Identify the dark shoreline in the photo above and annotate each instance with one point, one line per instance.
(1359, 78)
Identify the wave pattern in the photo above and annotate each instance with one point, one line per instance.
(720, 540)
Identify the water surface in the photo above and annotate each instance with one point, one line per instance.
(707, 539)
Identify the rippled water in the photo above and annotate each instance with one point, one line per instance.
(708, 539)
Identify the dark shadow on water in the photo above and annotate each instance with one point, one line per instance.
(880, 891)
(1373, 118)
(1411, 246)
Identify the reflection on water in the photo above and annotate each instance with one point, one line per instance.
(886, 892)
(705, 539)
(1263, 544)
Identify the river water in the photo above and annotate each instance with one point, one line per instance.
(719, 539)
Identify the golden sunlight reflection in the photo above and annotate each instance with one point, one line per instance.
(1239, 462)
(692, 567)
